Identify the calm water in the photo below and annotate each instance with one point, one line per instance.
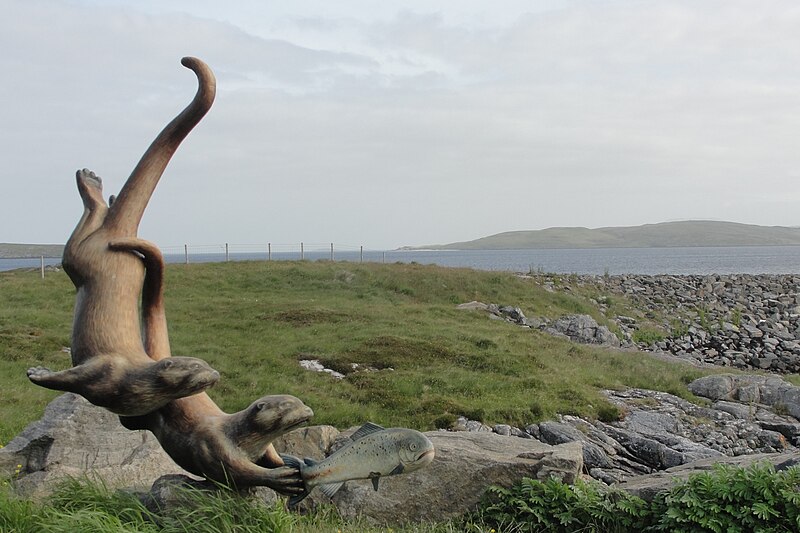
(722, 260)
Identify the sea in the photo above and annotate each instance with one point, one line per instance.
(597, 261)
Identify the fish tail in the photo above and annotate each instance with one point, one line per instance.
(297, 498)
(292, 462)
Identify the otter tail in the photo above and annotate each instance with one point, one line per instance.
(126, 212)
(154, 316)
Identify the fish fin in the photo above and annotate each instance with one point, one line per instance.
(309, 461)
(292, 462)
(397, 470)
(367, 429)
(375, 482)
(297, 498)
(329, 489)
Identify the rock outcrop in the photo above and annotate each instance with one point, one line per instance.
(579, 328)
(648, 486)
(75, 438)
(660, 431)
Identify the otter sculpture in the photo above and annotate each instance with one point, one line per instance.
(121, 356)
(111, 367)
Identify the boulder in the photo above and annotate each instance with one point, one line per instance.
(648, 486)
(75, 438)
(750, 388)
(583, 329)
(313, 441)
(466, 464)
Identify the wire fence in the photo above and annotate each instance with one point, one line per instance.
(215, 253)
(302, 251)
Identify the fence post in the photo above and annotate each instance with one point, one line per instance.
(269, 251)
(42, 267)
(362, 255)
(384, 257)
(186, 253)
(331, 252)
(302, 253)
(226, 252)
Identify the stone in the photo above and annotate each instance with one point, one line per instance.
(466, 464)
(714, 387)
(473, 306)
(313, 441)
(648, 486)
(584, 329)
(75, 438)
(166, 493)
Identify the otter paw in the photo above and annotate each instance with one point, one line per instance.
(90, 187)
(38, 373)
(286, 480)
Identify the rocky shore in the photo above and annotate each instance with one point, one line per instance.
(741, 321)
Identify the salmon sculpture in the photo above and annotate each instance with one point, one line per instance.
(371, 453)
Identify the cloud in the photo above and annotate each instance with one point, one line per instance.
(406, 126)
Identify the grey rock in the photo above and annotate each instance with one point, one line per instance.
(558, 433)
(648, 486)
(314, 442)
(584, 329)
(466, 464)
(473, 306)
(75, 438)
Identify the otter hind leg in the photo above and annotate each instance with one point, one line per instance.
(90, 187)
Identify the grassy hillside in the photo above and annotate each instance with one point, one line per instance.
(666, 234)
(253, 321)
(11, 250)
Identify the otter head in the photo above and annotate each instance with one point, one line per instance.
(185, 375)
(278, 414)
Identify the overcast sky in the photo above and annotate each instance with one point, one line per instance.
(383, 123)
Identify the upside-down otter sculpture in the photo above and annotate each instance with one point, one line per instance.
(111, 367)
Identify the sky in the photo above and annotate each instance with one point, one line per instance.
(385, 123)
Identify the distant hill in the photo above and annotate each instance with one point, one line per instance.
(663, 235)
(8, 250)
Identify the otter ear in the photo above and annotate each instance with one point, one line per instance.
(261, 406)
(167, 363)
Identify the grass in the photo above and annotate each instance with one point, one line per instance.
(253, 321)
(79, 506)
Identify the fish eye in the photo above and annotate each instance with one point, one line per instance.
(413, 446)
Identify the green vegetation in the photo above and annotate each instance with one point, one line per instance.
(726, 499)
(253, 321)
(8, 250)
(649, 335)
(79, 506)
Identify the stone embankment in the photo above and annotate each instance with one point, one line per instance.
(742, 321)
